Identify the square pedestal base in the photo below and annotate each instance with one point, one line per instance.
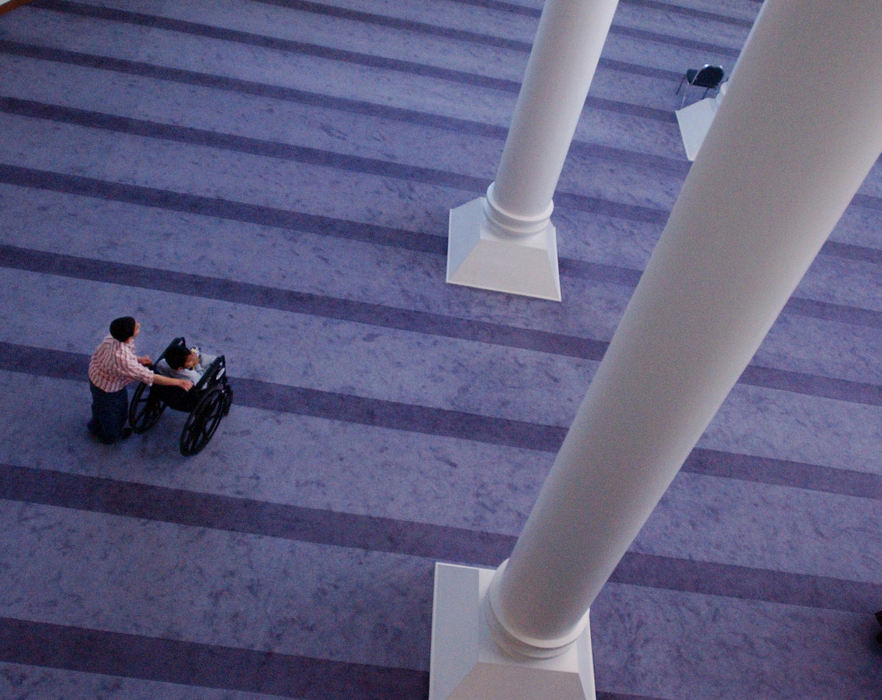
(467, 664)
(478, 257)
(695, 121)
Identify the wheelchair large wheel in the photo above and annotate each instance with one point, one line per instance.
(202, 422)
(145, 409)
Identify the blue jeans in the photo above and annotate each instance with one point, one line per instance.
(109, 413)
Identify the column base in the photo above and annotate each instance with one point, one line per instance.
(695, 121)
(477, 256)
(467, 664)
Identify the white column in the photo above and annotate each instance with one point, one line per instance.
(506, 241)
(781, 163)
(790, 146)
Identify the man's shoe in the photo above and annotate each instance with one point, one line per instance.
(125, 433)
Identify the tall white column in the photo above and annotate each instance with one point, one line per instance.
(790, 146)
(506, 241)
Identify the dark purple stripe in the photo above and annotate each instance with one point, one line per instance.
(277, 44)
(243, 144)
(582, 269)
(221, 209)
(205, 665)
(436, 121)
(620, 155)
(412, 539)
(300, 302)
(646, 35)
(211, 666)
(813, 385)
(389, 317)
(135, 500)
(616, 210)
(399, 416)
(635, 69)
(246, 87)
(868, 201)
(780, 472)
(89, 186)
(275, 149)
(474, 37)
(328, 11)
(747, 583)
(689, 11)
(271, 216)
(402, 24)
(282, 218)
(321, 404)
(660, 115)
(501, 6)
(420, 419)
(828, 311)
(324, 52)
(850, 251)
(99, 120)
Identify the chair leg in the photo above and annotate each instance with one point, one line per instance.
(679, 87)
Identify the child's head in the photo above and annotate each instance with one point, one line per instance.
(179, 357)
(192, 359)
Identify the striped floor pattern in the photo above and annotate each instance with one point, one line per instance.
(272, 179)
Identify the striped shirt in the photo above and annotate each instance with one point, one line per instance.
(114, 365)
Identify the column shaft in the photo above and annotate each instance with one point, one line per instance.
(789, 147)
(565, 53)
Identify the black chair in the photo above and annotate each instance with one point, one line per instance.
(708, 77)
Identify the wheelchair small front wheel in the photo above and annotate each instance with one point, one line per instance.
(202, 422)
(145, 409)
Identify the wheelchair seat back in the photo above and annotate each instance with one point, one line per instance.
(177, 398)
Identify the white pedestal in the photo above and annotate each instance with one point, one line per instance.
(467, 664)
(694, 121)
(479, 257)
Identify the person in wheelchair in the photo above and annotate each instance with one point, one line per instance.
(207, 402)
(182, 362)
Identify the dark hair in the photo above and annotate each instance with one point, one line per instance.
(122, 328)
(176, 356)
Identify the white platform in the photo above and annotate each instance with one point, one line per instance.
(695, 121)
(479, 257)
(467, 664)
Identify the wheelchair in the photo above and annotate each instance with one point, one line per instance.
(207, 403)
